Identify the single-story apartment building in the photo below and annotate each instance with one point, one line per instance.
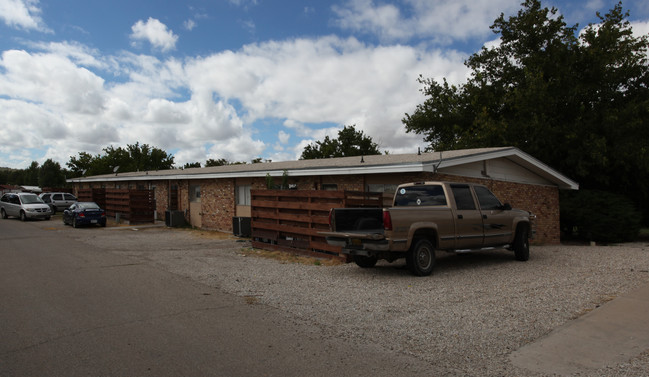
(210, 197)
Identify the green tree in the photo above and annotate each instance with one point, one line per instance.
(132, 158)
(579, 102)
(219, 162)
(350, 142)
(51, 175)
(192, 165)
(30, 178)
(84, 164)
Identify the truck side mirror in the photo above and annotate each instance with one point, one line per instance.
(507, 207)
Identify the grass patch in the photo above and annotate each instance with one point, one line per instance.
(286, 257)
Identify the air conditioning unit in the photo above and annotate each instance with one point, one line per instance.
(174, 218)
(241, 226)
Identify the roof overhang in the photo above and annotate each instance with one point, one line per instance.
(513, 154)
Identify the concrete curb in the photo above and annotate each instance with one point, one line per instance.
(611, 334)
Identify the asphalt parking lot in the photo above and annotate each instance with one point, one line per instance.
(469, 318)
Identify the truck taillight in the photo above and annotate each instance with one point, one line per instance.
(387, 221)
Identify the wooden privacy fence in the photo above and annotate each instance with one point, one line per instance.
(136, 206)
(289, 220)
(97, 195)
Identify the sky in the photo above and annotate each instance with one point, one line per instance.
(233, 79)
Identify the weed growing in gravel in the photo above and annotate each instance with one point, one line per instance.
(285, 257)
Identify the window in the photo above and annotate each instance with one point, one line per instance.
(69, 197)
(329, 187)
(194, 193)
(420, 196)
(57, 197)
(243, 195)
(380, 187)
(487, 199)
(463, 197)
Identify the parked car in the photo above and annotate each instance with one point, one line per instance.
(24, 205)
(58, 201)
(84, 213)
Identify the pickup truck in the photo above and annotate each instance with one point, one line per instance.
(455, 217)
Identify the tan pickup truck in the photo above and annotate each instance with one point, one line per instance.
(455, 217)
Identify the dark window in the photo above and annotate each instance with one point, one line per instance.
(420, 196)
(463, 197)
(487, 199)
(5, 198)
(70, 197)
(57, 197)
(85, 205)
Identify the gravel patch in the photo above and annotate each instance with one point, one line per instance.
(465, 319)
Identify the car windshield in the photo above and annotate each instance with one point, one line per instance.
(30, 199)
(87, 205)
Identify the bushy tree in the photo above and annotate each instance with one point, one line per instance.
(350, 142)
(578, 102)
(595, 215)
(132, 158)
(192, 165)
(51, 175)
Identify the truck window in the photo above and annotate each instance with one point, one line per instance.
(463, 197)
(420, 196)
(487, 199)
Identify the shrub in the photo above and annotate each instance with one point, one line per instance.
(600, 216)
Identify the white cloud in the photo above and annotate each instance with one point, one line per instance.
(22, 14)
(189, 24)
(215, 106)
(640, 28)
(440, 21)
(326, 80)
(76, 52)
(156, 33)
(52, 80)
(283, 137)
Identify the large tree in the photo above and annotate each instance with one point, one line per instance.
(51, 175)
(132, 158)
(577, 101)
(349, 143)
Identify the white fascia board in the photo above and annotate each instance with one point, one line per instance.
(370, 169)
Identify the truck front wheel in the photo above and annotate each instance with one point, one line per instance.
(365, 261)
(521, 244)
(421, 258)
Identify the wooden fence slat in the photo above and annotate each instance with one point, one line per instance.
(292, 219)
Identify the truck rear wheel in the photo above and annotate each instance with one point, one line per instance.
(421, 258)
(521, 244)
(365, 261)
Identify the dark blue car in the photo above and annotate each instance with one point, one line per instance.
(84, 213)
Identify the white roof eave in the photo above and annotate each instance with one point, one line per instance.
(513, 154)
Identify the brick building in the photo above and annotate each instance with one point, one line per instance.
(210, 197)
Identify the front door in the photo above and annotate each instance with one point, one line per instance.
(195, 210)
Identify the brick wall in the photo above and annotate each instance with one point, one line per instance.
(218, 204)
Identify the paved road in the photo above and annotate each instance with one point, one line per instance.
(68, 311)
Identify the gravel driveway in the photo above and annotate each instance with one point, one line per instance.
(465, 319)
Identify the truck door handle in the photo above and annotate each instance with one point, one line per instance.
(460, 217)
